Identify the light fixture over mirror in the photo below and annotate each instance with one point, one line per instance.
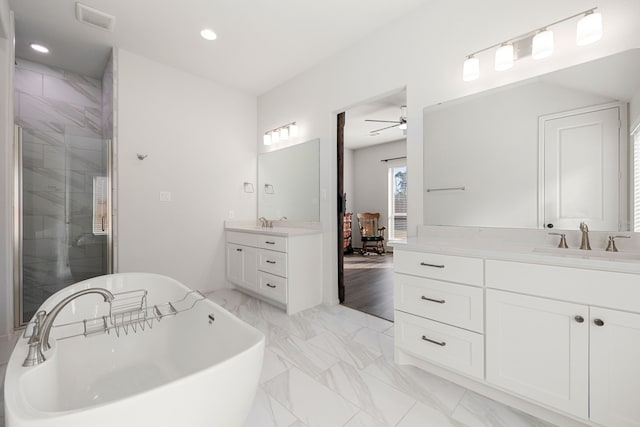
(538, 43)
(542, 45)
(589, 28)
(281, 133)
(504, 57)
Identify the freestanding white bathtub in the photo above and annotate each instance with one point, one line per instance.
(199, 367)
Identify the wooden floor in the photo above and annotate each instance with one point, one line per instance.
(368, 282)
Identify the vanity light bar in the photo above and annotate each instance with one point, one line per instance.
(281, 133)
(589, 30)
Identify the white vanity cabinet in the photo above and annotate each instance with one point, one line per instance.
(439, 309)
(538, 348)
(566, 352)
(284, 270)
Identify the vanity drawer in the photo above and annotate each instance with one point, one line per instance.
(246, 239)
(436, 266)
(274, 243)
(272, 262)
(274, 287)
(445, 302)
(445, 345)
(608, 289)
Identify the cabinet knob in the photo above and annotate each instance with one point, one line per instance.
(598, 322)
(579, 319)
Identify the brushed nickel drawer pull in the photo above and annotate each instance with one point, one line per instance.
(426, 264)
(439, 301)
(440, 343)
(271, 286)
(271, 262)
(270, 243)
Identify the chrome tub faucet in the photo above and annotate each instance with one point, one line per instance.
(39, 340)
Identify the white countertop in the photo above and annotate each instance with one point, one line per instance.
(280, 228)
(539, 251)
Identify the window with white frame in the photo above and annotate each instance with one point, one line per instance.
(397, 203)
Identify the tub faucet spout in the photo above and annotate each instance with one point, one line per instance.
(39, 340)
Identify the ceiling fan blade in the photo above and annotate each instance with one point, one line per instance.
(383, 121)
(388, 127)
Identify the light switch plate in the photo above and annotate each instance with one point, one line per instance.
(165, 196)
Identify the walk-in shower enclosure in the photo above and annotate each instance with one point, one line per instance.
(63, 133)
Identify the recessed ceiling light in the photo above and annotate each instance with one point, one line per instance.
(208, 34)
(39, 48)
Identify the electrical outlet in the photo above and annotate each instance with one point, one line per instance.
(165, 196)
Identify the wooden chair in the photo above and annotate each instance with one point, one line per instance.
(370, 232)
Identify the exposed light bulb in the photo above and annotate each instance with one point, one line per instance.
(542, 46)
(284, 133)
(504, 57)
(39, 48)
(208, 34)
(589, 29)
(293, 129)
(267, 139)
(471, 69)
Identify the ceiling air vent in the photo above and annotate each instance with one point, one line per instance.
(94, 17)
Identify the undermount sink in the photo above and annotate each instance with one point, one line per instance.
(593, 254)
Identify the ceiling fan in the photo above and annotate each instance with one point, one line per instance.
(400, 124)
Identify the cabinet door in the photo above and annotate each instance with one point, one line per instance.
(615, 368)
(539, 348)
(242, 266)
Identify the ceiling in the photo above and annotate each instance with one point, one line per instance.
(260, 44)
(356, 130)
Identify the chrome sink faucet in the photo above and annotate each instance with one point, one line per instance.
(39, 340)
(584, 243)
(263, 221)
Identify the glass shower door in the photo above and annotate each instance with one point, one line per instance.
(63, 187)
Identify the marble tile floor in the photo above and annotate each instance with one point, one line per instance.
(333, 367)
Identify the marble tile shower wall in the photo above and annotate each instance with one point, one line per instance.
(61, 118)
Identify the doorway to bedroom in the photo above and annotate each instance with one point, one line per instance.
(372, 191)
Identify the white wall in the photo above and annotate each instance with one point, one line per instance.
(201, 145)
(372, 180)
(6, 181)
(489, 144)
(425, 52)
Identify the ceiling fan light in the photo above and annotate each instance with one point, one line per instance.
(589, 29)
(542, 46)
(293, 130)
(267, 138)
(471, 69)
(504, 57)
